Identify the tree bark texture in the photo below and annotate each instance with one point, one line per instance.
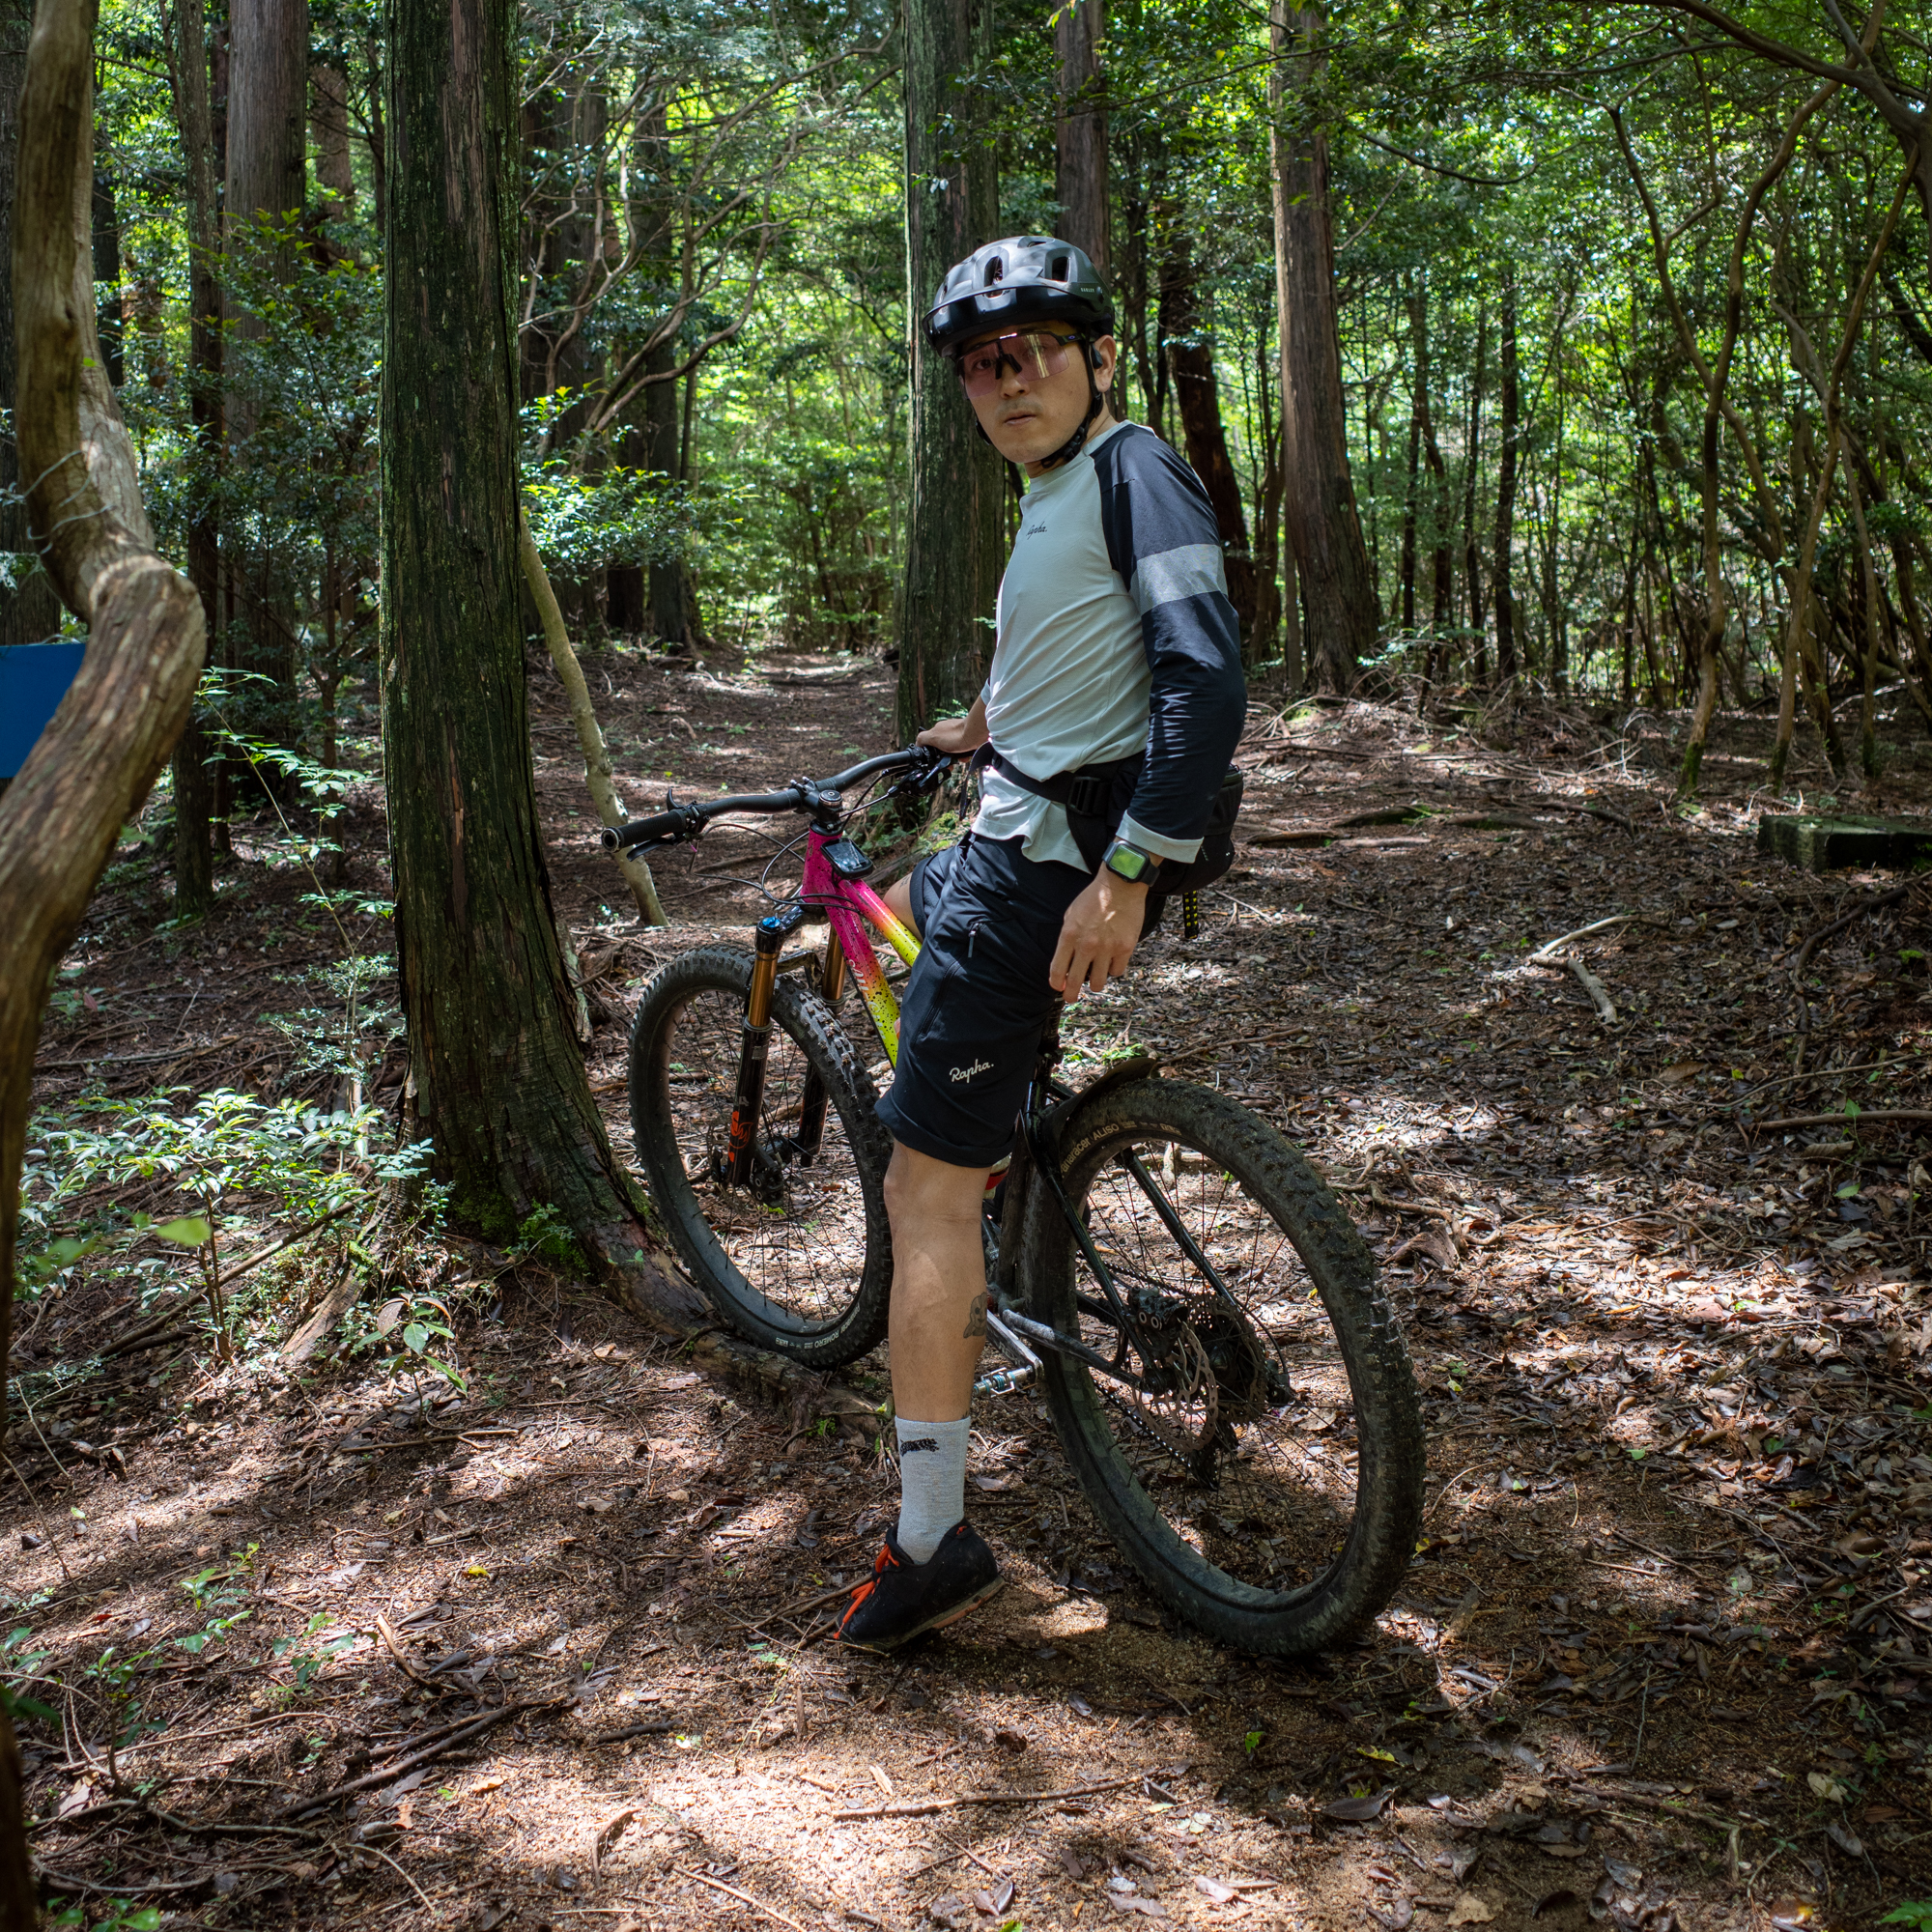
(30, 613)
(1191, 352)
(329, 133)
(1323, 525)
(1503, 572)
(94, 763)
(497, 1082)
(954, 528)
(184, 25)
(1080, 165)
(1472, 448)
(268, 131)
(267, 155)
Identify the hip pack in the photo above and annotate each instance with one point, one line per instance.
(1095, 799)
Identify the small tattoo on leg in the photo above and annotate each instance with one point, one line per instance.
(975, 1319)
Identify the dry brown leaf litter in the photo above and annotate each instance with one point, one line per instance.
(1662, 1658)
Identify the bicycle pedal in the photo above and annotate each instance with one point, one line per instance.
(1007, 1382)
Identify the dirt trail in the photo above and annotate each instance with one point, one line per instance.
(1662, 1658)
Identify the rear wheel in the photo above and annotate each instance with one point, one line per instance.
(799, 1258)
(1262, 1468)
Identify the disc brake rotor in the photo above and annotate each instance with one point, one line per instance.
(1177, 1403)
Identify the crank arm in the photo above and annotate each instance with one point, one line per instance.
(1006, 1381)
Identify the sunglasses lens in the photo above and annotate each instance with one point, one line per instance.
(1032, 353)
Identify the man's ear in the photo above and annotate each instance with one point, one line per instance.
(1104, 356)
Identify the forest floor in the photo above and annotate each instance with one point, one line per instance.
(1664, 1659)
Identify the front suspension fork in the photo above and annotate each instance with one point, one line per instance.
(747, 1103)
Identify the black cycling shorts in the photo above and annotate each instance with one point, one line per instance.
(977, 1000)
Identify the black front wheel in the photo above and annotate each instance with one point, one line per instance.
(796, 1255)
(1259, 1458)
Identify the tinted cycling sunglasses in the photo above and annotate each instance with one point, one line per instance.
(1033, 352)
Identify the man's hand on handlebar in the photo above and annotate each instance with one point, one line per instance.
(957, 736)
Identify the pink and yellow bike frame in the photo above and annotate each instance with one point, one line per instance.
(848, 903)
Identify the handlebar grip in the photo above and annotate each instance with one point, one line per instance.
(645, 831)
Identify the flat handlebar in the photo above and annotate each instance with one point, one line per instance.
(686, 821)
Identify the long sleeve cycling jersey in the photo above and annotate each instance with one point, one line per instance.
(1115, 636)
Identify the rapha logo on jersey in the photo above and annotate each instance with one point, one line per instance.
(919, 1442)
(1035, 529)
(967, 1072)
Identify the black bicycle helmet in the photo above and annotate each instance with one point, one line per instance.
(1024, 278)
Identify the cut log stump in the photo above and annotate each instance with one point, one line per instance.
(1833, 844)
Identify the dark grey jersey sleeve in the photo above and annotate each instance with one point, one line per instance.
(1161, 538)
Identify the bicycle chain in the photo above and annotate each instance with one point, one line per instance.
(1226, 1404)
(1187, 1446)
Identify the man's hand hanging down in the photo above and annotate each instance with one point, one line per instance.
(1097, 936)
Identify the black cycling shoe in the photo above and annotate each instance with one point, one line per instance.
(903, 1599)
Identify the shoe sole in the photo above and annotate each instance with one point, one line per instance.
(952, 1615)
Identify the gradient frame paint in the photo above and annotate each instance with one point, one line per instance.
(848, 903)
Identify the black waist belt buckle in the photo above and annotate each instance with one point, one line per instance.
(1087, 794)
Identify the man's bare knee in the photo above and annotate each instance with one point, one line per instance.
(921, 1191)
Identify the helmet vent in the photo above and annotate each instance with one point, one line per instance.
(996, 271)
(1057, 269)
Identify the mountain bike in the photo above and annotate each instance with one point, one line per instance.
(1200, 1318)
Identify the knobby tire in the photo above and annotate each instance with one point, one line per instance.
(800, 1260)
(1311, 1504)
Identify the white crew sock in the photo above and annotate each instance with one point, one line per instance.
(932, 1483)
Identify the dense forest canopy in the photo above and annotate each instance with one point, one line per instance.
(1563, 239)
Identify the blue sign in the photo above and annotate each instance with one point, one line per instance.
(33, 680)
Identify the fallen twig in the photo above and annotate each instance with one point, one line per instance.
(1564, 804)
(1837, 1119)
(1550, 954)
(474, 1728)
(1803, 959)
(924, 1809)
(743, 1897)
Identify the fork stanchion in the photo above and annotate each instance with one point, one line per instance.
(741, 1145)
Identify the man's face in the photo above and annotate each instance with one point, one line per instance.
(1034, 396)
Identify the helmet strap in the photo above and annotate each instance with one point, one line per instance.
(1075, 442)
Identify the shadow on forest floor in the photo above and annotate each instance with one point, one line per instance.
(1661, 1660)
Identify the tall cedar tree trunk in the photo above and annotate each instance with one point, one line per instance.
(1080, 173)
(1324, 528)
(268, 156)
(186, 29)
(106, 239)
(1417, 407)
(1080, 160)
(1472, 453)
(497, 1082)
(100, 753)
(1190, 353)
(954, 529)
(1130, 280)
(1259, 648)
(329, 133)
(1503, 587)
(31, 612)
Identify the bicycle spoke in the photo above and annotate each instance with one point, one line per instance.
(797, 1230)
(1245, 1433)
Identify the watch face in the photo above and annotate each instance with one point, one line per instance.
(1129, 864)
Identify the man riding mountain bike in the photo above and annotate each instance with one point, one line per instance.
(1106, 724)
